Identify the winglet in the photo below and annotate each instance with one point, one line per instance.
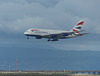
(84, 34)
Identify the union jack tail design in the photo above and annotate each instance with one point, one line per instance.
(78, 27)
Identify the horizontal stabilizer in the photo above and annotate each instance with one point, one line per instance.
(84, 33)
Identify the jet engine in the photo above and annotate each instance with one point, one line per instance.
(64, 34)
(52, 36)
(38, 37)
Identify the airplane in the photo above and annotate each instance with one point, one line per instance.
(55, 35)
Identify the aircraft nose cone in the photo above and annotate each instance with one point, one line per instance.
(25, 33)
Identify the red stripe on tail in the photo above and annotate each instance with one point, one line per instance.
(81, 23)
(76, 31)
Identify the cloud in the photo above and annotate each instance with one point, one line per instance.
(60, 14)
(18, 16)
(25, 23)
(46, 3)
(76, 46)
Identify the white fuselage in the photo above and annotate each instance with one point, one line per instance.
(45, 32)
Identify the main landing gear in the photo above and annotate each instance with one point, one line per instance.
(52, 40)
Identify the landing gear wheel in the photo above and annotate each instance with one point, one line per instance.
(49, 40)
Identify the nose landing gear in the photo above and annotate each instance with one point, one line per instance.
(27, 37)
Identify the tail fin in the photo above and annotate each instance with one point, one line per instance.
(78, 27)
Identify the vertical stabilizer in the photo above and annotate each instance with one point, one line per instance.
(78, 27)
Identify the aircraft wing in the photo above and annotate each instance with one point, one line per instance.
(58, 35)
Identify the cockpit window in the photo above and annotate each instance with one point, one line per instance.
(32, 30)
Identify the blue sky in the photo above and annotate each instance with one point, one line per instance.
(16, 16)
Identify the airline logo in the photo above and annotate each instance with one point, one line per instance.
(34, 30)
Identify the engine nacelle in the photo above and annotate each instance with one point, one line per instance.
(52, 36)
(64, 34)
(38, 37)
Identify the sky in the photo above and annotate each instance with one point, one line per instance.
(16, 16)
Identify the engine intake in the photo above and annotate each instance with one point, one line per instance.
(64, 34)
(38, 37)
(52, 36)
